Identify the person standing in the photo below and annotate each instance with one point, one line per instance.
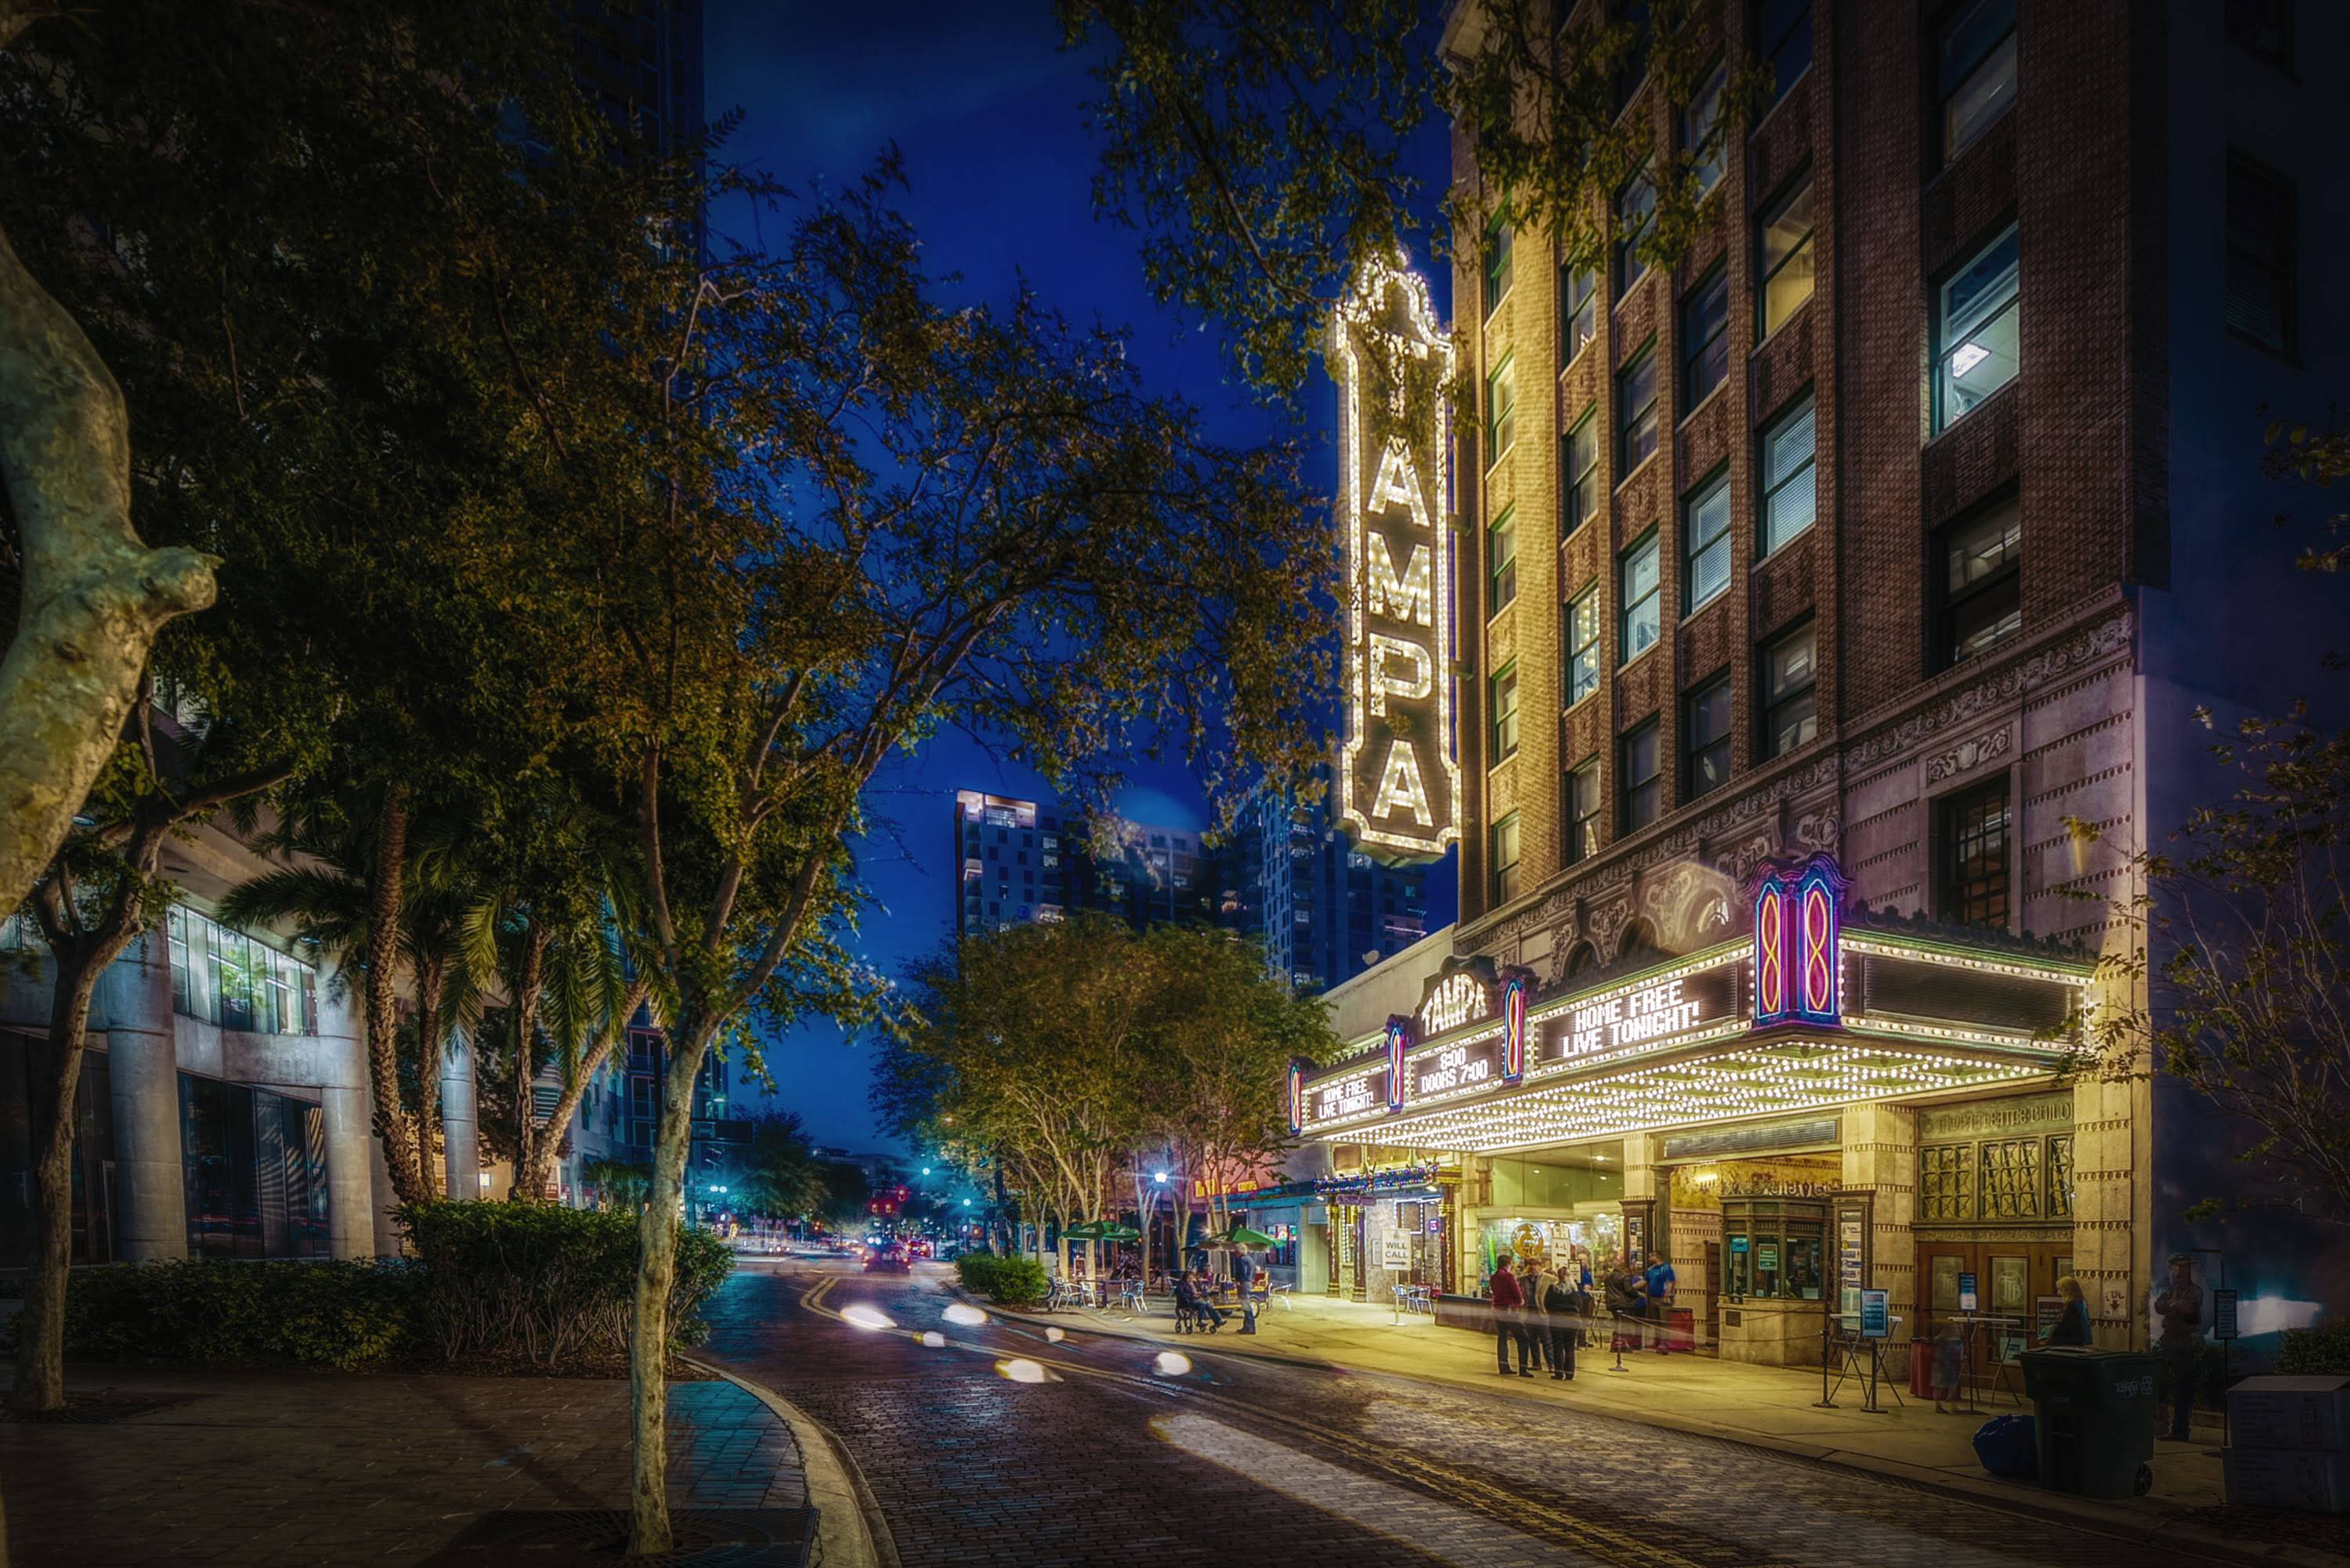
(1660, 1283)
(1508, 1303)
(2180, 1305)
(1533, 1281)
(1562, 1302)
(1627, 1304)
(1244, 1272)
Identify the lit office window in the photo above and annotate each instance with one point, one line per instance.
(1790, 488)
(1975, 331)
(1786, 259)
(1583, 645)
(1641, 592)
(1705, 535)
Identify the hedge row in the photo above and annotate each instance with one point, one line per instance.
(526, 1283)
(1012, 1280)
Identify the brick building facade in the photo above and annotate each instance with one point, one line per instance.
(1905, 520)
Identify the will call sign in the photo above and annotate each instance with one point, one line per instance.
(1398, 779)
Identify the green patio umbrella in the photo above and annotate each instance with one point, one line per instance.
(1241, 1236)
(1091, 1231)
(1121, 1233)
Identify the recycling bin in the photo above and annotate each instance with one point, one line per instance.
(2096, 1416)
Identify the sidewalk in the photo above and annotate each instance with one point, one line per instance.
(263, 1469)
(1767, 1407)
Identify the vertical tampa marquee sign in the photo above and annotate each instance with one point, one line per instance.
(1399, 781)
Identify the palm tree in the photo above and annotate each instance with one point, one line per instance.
(378, 894)
(551, 930)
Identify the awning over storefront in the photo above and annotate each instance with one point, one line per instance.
(1801, 1016)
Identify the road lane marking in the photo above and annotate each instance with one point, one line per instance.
(1440, 1530)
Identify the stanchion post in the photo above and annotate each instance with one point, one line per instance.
(1825, 1401)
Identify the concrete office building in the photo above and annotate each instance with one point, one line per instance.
(1902, 527)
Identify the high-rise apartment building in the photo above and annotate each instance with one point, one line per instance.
(1857, 585)
(1326, 909)
(1015, 861)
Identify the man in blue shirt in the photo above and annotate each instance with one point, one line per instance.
(1660, 1295)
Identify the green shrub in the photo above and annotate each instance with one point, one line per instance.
(546, 1285)
(1013, 1280)
(337, 1315)
(2320, 1352)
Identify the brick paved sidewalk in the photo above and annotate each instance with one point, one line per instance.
(261, 1468)
(1771, 1408)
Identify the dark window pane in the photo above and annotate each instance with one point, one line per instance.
(1709, 737)
(1976, 70)
(1636, 204)
(1783, 35)
(2260, 273)
(1705, 340)
(1635, 400)
(1790, 677)
(1582, 472)
(1973, 833)
(1642, 796)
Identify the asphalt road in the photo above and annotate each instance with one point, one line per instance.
(992, 1443)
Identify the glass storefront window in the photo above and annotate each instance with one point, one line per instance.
(256, 1171)
(237, 982)
(1593, 1240)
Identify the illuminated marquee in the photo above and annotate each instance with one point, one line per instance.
(1398, 778)
(1692, 1000)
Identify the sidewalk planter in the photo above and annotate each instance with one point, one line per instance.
(2096, 1413)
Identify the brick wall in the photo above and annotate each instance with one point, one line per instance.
(2077, 434)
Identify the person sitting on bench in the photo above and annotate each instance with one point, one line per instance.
(1191, 1303)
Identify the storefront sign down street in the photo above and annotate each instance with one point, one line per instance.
(1798, 1018)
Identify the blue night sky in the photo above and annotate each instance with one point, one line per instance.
(988, 112)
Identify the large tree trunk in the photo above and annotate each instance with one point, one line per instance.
(92, 597)
(394, 1127)
(431, 1042)
(648, 1529)
(529, 1184)
(41, 1323)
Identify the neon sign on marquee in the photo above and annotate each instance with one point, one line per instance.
(1798, 964)
(1399, 779)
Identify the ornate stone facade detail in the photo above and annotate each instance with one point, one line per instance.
(2100, 641)
(1739, 862)
(1819, 827)
(1971, 752)
(1607, 925)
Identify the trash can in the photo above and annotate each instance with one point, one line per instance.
(2097, 1419)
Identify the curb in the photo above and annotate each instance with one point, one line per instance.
(2166, 1530)
(850, 1530)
